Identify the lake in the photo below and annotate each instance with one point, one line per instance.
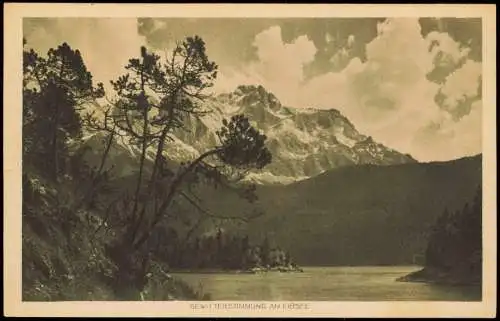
(327, 284)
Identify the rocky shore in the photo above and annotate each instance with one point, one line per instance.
(253, 270)
(437, 276)
(282, 269)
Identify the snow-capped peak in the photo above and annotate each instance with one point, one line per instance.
(304, 142)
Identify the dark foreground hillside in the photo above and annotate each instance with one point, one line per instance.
(64, 256)
(365, 215)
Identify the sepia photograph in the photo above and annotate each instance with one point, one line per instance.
(254, 163)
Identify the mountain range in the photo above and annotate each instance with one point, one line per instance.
(304, 142)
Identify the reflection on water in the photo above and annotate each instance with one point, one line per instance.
(328, 284)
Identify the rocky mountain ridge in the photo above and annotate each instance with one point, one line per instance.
(304, 142)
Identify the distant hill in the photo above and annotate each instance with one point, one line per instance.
(359, 215)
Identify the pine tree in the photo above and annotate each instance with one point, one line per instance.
(455, 245)
(54, 90)
(265, 252)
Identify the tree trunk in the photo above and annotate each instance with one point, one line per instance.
(129, 278)
(176, 183)
(142, 159)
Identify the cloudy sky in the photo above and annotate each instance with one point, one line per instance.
(412, 84)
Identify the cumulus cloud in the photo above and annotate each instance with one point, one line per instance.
(279, 67)
(446, 51)
(450, 139)
(447, 55)
(280, 61)
(390, 96)
(461, 89)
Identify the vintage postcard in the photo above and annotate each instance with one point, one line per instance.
(250, 160)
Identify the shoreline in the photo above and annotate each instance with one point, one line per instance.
(438, 277)
(221, 271)
(257, 270)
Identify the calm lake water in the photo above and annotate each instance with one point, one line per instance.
(328, 284)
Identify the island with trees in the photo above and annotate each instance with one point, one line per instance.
(224, 252)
